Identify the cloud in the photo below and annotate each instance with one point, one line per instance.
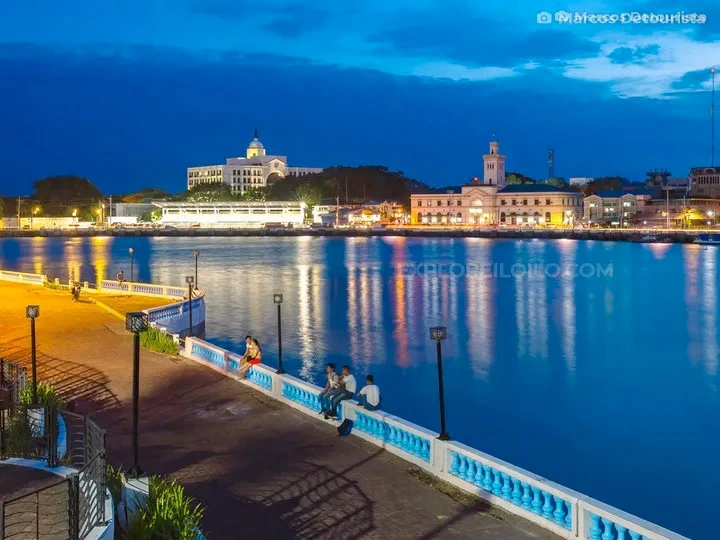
(628, 55)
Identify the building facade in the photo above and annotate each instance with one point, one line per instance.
(256, 169)
(615, 207)
(493, 203)
(580, 181)
(705, 182)
(231, 214)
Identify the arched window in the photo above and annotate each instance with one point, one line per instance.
(477, 202)
(524, 217)
(459, 217)
(502, 217)
(547, 217)
(513, 218)
(536, 217)
(419, 218)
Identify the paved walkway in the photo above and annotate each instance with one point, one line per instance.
(260, 467)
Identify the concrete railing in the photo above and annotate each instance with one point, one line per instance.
(565, 512)
(21, 277)
(141, 289)
(175, 318)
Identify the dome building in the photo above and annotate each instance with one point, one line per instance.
(256, 169)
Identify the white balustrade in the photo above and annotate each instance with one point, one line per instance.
(22, 277)
(565, 512)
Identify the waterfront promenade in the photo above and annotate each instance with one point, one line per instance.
(258, 465)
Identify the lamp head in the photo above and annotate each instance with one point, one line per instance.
(136, 322)
(131, 251)
(196, 253)
(277, 298)
(189, 280)
(438, 333)
(32, 312)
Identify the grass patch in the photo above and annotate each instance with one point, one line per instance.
(55, 286)
(158, 341)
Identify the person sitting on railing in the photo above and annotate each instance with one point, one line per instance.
(346, 390)
(331, 388)
(120, 277)
(369, 396)
(252, 356)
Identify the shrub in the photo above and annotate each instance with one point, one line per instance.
(46, 394)
(158, 341)
(18, 434)
(168, 513)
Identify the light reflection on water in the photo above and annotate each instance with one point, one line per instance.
(605, 384)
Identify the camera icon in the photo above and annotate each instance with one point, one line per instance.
(544, 17)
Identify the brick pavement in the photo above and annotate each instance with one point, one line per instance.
(260, 467)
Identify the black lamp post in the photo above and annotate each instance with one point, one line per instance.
(136, 322)
(437, 334)
(189, 281)
(277, 299)
(197, 254)
(32, 313)
(132, 264)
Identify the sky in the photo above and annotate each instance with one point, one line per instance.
(128, 93)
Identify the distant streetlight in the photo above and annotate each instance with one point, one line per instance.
(131, 251)
(136, 323)
(189, 280)
(438, 334)
(197, 254)
(32, 313)
(711, 215)
(277, 299)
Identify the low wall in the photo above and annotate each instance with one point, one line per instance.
(175, 318)
(565, 512)
(21, 277)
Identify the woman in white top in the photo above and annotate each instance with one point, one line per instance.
(369, 396)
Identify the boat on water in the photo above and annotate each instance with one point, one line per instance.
(649, 238)
(708, 239)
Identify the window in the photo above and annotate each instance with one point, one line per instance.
(419, 204)
(419, 216)
(547, 217)
(459, 203)
(514, 202)
(439, 203)
(547, 202)
(502, 202)
(525, 202)
(459, 217)
(449, 203)
(502, 217)
(537, 202)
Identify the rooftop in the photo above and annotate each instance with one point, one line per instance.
(614, 193)
(224, 204)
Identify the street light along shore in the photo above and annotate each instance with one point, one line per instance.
(438, 334)
(32, 313)
(277, 299)
(136, 322)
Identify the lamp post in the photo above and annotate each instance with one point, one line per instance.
(131, 251)
(136, 322)
(189, 281)
(197, 254)
(32, 214)
(437, 334)
(32, 313)
(74, 215)
(277, 299)
(711, 215)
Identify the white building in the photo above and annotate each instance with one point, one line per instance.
(256, 169)
(580, 181)
(491, 202)
(705, 181)
(231, 214)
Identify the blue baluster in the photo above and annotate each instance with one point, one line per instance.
(559, 511)
(635, 536)
(463, 467)
(392, 436)
(418, 447)
(526, 498)
(426, 450)
(496, 485)
(608, 526)
(383, 431)
(620, 532)
(405, 441)
(568, 517)
(516, 493)
(470, 474)
(536, 502)
(478, 474)
(454, 463)
(506, 489)
(487, 481)
(547, 507)
(594, 527)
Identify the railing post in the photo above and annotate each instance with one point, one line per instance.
(74, 507)
(85, 441)
(51, 426)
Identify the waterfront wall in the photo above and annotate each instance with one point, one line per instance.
(173, 318)
(565, 512)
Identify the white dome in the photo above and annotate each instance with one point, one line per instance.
(256, 144)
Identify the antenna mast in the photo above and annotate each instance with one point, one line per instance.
(551, 163)
(712, 120)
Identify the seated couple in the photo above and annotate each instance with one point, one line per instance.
(252, 356)
(340, 387)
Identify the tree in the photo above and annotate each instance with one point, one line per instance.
(216, 192)
(308, 194)
(2, 208)
(604, 183)
(150, 217)
(518, 178)
(255, 194)
(557, 182)
(65, 189)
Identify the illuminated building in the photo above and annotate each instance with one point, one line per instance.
(231, 214)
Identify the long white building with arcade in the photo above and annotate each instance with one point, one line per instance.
(231, 214)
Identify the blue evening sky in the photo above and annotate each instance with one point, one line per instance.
(130, 92)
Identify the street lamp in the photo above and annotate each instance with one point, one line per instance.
(277, 299)
(197, 254)
(136, 322)
(131, 251)
(32, 313)
(711, 215)
(32, 214)
(189, 281)
(437, 334)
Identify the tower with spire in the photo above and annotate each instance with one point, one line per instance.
(494, 165)
(255, 148)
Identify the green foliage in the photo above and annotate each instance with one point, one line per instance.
(605, 182)
(255, 194)
(46, 394)
(114, 479)
(150, 217)
(18, 434)
(168, 514)
(557, 182)
(2, 208)
(518, 178)
(217, 192)
(158, 341)
(309, 194)
(65, 190)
